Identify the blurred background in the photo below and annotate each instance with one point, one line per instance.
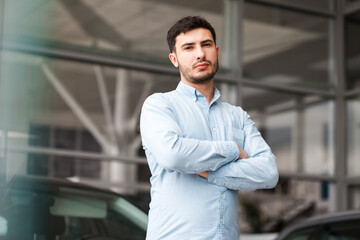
(74, 75)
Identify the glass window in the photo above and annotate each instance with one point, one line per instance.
(298, 129)
(320, 4)
(61, 211)
(346, 230)
(353, 137)
(354, 197)
(125, 28)
(318, 129)
(287, 48)
(349, 2)
(78, 107)
(302, 234)
(352, 50)
(280, 133)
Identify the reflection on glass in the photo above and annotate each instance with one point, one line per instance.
(279, 132)
(84, 108)
(275, 119)
(353, 137)
(39, 208)
(352, 39)
(299, 197)
(348, 2)
(301, 234)
(319, 4)
(132, 27)
(318, 129)
(354, 197)
(3, 226)
(344, 229)
(298, 129)
(228, 91)
(286, 47)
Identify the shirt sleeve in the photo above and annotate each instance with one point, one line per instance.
(161, 135)
(259, 171)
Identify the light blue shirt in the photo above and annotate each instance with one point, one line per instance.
(183, 135)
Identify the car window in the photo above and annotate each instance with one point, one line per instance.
(69, 214)
(348, 230)
(302, 234)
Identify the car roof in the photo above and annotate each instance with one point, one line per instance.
(51, 184)
(323, 219)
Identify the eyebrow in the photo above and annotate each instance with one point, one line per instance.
(192, 43)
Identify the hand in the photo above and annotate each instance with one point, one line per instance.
(242, 154)
(204, 174)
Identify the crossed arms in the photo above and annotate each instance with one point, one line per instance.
(227, 164)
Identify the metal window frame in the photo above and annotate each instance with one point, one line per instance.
(295, 7)
(352, 8)
(339, 94)
(76, 154)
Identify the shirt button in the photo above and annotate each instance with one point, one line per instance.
(211, 169)
(214, 181)
(221, 220)
(222, 196)
(214, 129)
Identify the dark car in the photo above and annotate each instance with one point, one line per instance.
(51, 209)
(335, 226)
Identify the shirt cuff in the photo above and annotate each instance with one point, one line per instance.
(218, 177)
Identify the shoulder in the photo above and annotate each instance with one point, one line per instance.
(230, 107)
(159, 99)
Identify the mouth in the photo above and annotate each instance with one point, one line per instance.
(202, 65)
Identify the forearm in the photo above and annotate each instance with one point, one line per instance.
(162, 136)
(255, 172)
(258, 172)
(191, 155)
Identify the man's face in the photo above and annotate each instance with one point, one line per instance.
(196, 55)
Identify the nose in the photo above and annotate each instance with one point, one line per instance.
(200, 54)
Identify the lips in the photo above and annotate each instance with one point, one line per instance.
(202, 65)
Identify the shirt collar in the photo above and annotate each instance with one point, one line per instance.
(191, 92)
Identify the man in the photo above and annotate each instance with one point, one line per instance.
(199, 150)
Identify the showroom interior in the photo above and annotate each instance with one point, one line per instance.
(74, 75)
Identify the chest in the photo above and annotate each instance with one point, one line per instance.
(218, 122)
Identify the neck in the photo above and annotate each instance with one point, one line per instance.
(206, 88)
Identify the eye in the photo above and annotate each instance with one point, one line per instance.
(188, 48)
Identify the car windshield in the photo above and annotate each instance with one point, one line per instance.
(67, 213)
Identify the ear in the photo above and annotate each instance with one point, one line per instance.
(173, 59)
(217, 51)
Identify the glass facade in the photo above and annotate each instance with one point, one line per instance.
(299, 130)
(353, 137)
(354, 197)
(281, 48)
(320, 4)
(319, 139)
(352, 38)
(74, 75)
(127, 29)
(349, 2)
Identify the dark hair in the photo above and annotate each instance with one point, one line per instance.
(186, 24)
